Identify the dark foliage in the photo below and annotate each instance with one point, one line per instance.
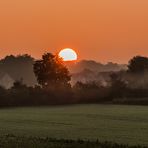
(54, 86)
(138, 64)
(117, 92)
(118, 86)
(50, 71)
(90, 92)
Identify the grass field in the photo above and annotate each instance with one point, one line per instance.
(116, 123)
(11, 141)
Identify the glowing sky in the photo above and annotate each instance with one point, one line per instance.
(103, 30)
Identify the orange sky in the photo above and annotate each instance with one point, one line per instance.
(103, 30)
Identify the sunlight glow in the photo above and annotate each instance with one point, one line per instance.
(68, 54)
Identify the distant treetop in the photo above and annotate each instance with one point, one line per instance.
(138, 64)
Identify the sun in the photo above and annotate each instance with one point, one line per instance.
(68, 54)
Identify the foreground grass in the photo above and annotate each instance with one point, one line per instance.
(11, 141)
(116, 123)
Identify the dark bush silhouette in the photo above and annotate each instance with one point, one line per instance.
(90, 92)
(118, 86)
(18, 84)
(89, 85)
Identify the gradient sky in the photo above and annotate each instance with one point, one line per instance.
(103, 30)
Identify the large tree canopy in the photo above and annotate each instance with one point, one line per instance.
(51, 71)
(138, 64)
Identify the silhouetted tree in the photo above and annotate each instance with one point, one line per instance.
(138, 64)
(118, 86)
(51, 71)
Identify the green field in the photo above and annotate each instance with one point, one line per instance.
(116, 123)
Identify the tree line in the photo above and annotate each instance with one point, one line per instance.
(53, 86)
